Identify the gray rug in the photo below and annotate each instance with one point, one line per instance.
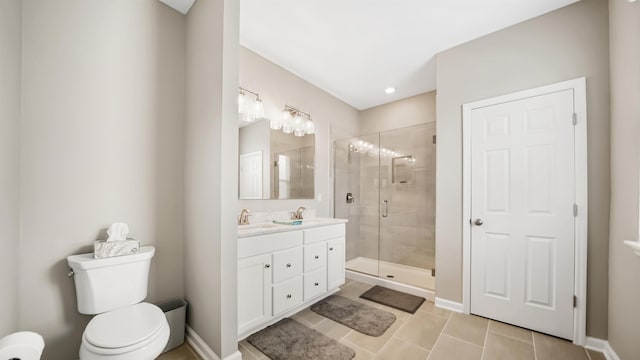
(290, 340)
(356, 315)
(395, 299)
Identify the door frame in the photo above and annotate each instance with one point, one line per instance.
(580, 226)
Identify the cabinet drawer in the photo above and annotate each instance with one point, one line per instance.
(323, 233)
(265, 244)
(315, 283)
(315, 256)
(287, 264)
(287, 295)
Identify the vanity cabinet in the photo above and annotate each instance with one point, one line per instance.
(281, 273)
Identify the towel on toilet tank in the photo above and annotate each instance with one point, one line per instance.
(117, 243)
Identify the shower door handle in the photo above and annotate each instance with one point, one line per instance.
(385, 211)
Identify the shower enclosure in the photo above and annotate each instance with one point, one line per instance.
(385, 186)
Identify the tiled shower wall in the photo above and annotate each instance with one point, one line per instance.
(407, 235)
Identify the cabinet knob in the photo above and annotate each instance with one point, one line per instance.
(266, 266)
(288, 296)
(330, 249)
(289, 265)
(316, 284)
(317, 257)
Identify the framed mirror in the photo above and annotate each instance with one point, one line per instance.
(275, 165)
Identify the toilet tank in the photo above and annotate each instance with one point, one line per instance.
(106, 284)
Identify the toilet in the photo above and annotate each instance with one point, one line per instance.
(24, 345)
(112, 289)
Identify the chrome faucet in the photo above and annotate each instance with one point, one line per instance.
(297, 215)
(243, 219)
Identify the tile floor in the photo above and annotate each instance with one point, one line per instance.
(183, 352)
(429, 334)
(436, 334)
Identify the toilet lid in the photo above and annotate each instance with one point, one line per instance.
(124, 327)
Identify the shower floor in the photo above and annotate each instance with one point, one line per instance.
(405, 274)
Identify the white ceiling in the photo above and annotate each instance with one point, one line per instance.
(354, 49)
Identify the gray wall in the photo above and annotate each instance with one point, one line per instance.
(624, 266)
(333, 120)
(415, 110)
(101, 141)
(565, 44)
(10, 56)
(211, 172)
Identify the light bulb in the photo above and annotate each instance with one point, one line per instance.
(241, 101)
(309, 127)
(259, 109)
(298, 122)
(286, 122)
(275, 124)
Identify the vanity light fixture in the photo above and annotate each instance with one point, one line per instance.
(249, 109)
(294, 122)
(390, 90)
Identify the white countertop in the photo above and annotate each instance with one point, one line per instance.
(271, 228)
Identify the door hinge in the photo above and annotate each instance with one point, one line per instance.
(575, 119)
(433, 272)
(575, 301)
(575, 210)
(433, 139)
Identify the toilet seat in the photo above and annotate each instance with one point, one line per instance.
(124, 330)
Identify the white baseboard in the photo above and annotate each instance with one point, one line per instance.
(602, 346)
(199, 346)
(203, 350)
(235, 356)
(449, 305)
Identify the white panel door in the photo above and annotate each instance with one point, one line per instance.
(522, 226)
(251, 175)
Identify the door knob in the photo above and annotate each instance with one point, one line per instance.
(478, 222)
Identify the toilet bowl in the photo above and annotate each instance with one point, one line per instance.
(136, 332)
(23, 345)
(112, 289)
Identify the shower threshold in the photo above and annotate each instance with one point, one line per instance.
(404, 274)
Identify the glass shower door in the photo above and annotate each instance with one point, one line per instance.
(407, 205)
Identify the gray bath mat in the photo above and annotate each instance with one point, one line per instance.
(358, 316)
(290, 340)
(395, 299)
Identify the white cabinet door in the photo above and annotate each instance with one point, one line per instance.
(315, 256)
(335, 263)
(522, 235)
(315, 283)
(254, 291)
(287, 295)
(287, 264)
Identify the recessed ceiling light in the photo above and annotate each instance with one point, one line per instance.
(390, 90)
